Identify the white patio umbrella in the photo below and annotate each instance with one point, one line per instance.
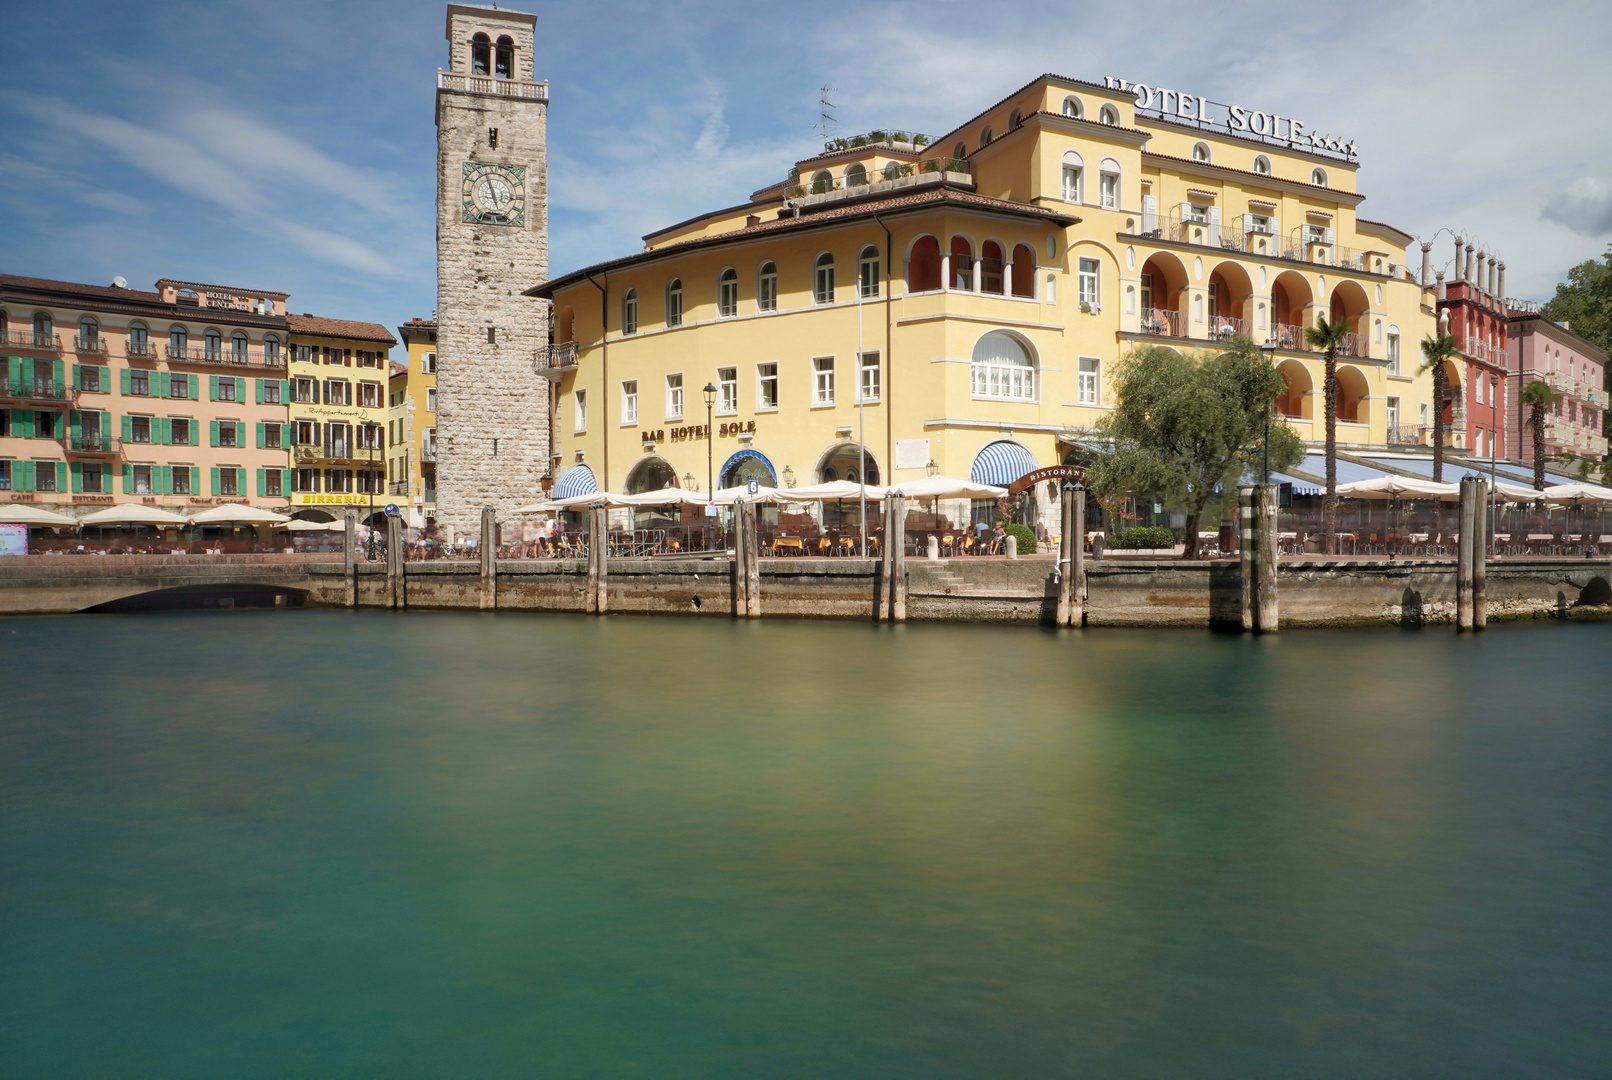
(833, 491)
(544, 507)
(1515, 492)
(300, 525)
(1578, 492)
(23, 514)
(946, 487)
(582, 502)
(134, 514)
(671, 496)
(1400, 487)
(741, 494)
(238, 514)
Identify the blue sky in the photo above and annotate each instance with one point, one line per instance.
(290, 146)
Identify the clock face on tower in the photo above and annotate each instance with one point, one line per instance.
(494, 194)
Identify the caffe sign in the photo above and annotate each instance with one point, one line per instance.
(1172, 104)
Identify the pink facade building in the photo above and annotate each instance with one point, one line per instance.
(1475, 408)
(1548, 352)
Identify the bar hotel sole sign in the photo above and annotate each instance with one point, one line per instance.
(1237, 119)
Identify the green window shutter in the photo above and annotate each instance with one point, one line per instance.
(77, 470)
(285, 391)
(57, 369)
(260, 431)
(191, 382)
(61, 472)
(78, 376)
(240, 481)
(163, 479)
(215, 481)
(123, 381)
(257, 390)
(262, 485)
(212, 388)
(285, 435)
(106, 379)
(285, 481)
(240, 389)
(161, 379)
(128, 478)
(25, 421)
(74, 422)
(162, 430)
(213, 428)
(240, 433)
(22, 476)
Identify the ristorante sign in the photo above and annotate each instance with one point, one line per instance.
(1172, 104)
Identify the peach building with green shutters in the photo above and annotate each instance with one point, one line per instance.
(175, 397)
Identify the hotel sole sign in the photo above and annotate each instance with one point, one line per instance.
(1237, 120)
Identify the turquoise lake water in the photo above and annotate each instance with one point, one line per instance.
(336, 844)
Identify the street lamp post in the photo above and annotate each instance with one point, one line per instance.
(1269, 349)
(710, 456)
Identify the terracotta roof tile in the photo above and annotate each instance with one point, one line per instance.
(342, 328)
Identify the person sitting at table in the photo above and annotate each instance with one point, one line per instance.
(998, 535)
(980, 529)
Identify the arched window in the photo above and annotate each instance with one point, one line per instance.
(1074, 177)
(1015, 120)
(505, 58)
(480, 54)
(1200, 151)
(923, 265)
(238, 347)
(178, 342)
(856, 175)
(674, 302)
(42, 325)
(823, 279)
(1108, 176)
(727, 293)
(1001, 368)
(212, 345)
(991, 263)
(1023, 271)
(767, 287)
(960, 152)
(822, 181)
(892, 170)
(867, 272)
(986, 136)
(1073, 107)
(1109, 115)
(629, 311)
(1319, 178)
(962, 260)
(1262, 165)
(89, 333)
(271, 350)
(139, 340)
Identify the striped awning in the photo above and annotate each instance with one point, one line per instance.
(1001, 463)
(577, 480)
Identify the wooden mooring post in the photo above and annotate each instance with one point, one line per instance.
(1256, 549)
(1072, 558)
(489, 559)
(349, 557)
(394, 564)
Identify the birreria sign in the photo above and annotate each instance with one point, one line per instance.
(1236, 119)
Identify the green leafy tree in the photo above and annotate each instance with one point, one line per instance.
(1537, 397)
(1327, 337)
(1435, 352)
(1191, 426)
(1584, 301)
(1112, 477)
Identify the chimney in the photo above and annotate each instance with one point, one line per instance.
(1458, 263)
(1427, 263)
(1494, 264)
(1473, 256)
(1441, 285)
(1502, 290)
(752, 219)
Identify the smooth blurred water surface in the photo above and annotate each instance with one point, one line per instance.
(328, 844)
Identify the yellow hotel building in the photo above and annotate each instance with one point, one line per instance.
(412, 424)
(337, 376)
(962, 299)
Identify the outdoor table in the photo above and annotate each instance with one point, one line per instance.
(788, 543)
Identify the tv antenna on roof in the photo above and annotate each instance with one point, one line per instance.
(826, 120)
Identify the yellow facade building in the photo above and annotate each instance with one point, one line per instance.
(412, 424)
(338, 382)
(958, 303)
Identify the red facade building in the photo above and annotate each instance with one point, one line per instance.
(1471, 310)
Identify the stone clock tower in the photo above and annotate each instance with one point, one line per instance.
(492, 242)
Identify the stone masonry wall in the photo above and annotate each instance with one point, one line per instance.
(492, 407)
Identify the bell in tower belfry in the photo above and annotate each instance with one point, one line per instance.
(493, 442)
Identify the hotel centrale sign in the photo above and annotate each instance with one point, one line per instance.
(1172, 104)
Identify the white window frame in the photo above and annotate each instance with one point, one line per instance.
(727, 293)
(727, 384)
(1394, 350)
(1073, 180)
(674, 302)
(629, 312)
(430, 399)
(823, 272)
(822, 382)
(1090, 381)
(766, 375)
(1108, 190)
(1090, 281)
(428, 363)
(629, 402)
(867, 284)
(580, 424)
(868, 379)
(767, 287)
(674, 396)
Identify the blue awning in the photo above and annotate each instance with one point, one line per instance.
(1457, 466)
(754, 455)
(577, 480)
(1001, 463)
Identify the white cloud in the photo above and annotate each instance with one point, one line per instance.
(1585, 207)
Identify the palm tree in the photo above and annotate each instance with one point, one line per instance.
(1435, 351)
(1327, 337)
(1537, 396)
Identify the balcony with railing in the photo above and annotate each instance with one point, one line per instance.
(225, 357)
(97, 443)
(398, 487)
(855, 179)
(140, 350)
(87, 346)
(33, 340)
(1406, 434)
(459, 83)
(1305, 244)
(36, 389)
(1162, 322)
(428, 454)
(557, 360)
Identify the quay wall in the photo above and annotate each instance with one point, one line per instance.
(1120, 591)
